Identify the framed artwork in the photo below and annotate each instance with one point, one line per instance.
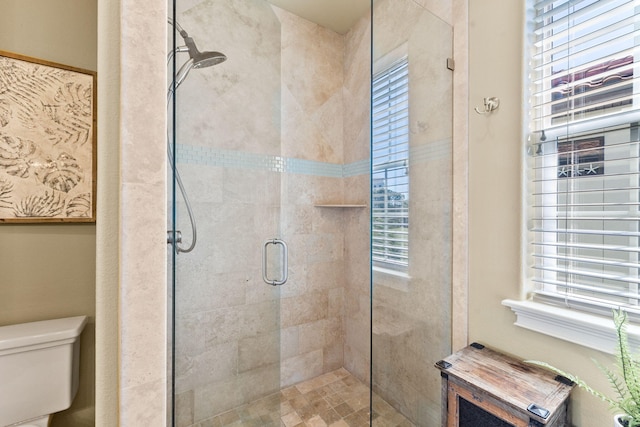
(47, 141)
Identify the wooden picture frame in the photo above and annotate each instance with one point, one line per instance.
(47, 141)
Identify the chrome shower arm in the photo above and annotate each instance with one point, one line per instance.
(176, 50)
(175, 25)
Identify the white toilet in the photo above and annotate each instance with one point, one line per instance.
(39, 370)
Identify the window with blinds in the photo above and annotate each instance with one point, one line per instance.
(390, 164)
(583, 154)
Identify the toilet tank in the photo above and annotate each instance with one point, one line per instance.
(39, 367)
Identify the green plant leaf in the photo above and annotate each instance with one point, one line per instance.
(625, 380)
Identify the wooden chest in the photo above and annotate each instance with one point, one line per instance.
(481, 387)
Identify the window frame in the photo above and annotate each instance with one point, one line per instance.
(585, 328)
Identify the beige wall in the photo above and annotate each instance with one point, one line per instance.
(108, 216)
(495, 237)
(48, 271)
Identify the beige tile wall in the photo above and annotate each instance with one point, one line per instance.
(132, 182)
(313, 114)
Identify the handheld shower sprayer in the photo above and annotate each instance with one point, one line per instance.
(196, 59)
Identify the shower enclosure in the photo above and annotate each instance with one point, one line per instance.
(281, 309)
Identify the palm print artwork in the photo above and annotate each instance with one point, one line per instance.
(47, 141)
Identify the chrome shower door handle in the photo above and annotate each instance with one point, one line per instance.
(285, 262)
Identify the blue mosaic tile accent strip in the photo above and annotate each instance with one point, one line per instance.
(310, 167)
(198, 155)
(362, 167)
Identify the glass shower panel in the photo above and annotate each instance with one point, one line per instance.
(411, 294)
(228, 153)
(272, 143)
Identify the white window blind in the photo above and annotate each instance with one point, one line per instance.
(583, 154)
(390, 163)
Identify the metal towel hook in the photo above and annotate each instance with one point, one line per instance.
(490, 105)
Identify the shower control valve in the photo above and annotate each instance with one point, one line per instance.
(170, 235)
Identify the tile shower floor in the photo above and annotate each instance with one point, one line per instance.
(336, 399)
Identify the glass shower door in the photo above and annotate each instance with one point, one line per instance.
(274, 143)
(227, 150)
(412, 198)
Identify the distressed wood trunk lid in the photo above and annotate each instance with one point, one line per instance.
(515, 385)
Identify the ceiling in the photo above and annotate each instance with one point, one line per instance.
(337, 15)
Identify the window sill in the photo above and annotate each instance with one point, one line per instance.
(580, 328)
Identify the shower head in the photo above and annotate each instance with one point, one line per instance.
(208, 59)
(197, 59)
(201, 59)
